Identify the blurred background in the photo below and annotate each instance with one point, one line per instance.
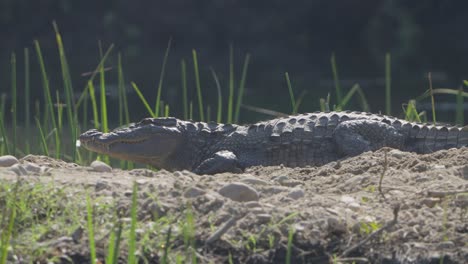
(298, 37)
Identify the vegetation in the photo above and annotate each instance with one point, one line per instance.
(20, 208)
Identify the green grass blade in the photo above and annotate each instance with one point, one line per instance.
(102, 84)
(166, 110)
(133, 225)
(291, 94)
(124, 114)
(27, 99)
(2, 124)
(191, 110)
(388, 84)
(6, 234)
(167, 246)
(161, 78)
(143, 100)
(92, 95)
(13, 102)
(336, 79)
(67, 84)
(93, 75)
(59, 106)
(460, 117)
(240, 93)
(48, 97)
(92, 245)
(197, 83)
(114, 245)
(356, 89)
(45, 148)
(289, 247)
(429, 76)
(183, 67)
(231, 85)
(219, 111)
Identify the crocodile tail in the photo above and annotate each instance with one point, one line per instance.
(429, 138)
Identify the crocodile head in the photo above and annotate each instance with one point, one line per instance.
(158, 142)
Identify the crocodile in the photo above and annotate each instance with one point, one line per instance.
(310, 139)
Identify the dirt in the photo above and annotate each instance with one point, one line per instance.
(337, 213)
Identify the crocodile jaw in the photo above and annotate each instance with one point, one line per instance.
(148, 146)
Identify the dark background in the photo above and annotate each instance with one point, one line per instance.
(294, 36)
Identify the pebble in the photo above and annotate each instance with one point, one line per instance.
(8, 160)
(263, 218)
(446, 245)
(32, 167)
(255, 181)
(276, 189)
(19, 170)
(398, 154)
(101, 185)
(336, 226)
(239, 192)
(252, 204)
(296, 193)
(193, 192)
(430, 202)
(100, 166)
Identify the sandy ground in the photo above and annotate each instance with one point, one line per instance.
(335, 213)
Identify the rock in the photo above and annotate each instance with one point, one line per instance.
(397, 154)
(430, 202)
(100, 166)
(263, 218)
(239, 192)
(445, 245)
(32, 167)
(296, 193)
(253, 180)
(252, 204)
(336, 226)
(193, 192)
(19, 170)
(8, 160)
(347, 199)
(276, 189)
(101, 185)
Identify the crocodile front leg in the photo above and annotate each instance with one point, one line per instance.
(221, 161)
(354, 137)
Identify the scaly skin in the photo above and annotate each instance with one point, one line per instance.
(295, 141)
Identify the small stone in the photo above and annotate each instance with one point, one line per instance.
(32, 167)
(276, 189)
(347, 199)
(446, 245)
(255, 181)
(336, 226)
(193, 192)
(239, 192)
(157, 209)
(101, 185)
(252, 204)
(257, 210)
(19, 170)
(100, 166)
(355, 206)
(461, 201)
(398, 154)
(296, 193)
(263, 218)
(8, 160)
(430, 202)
